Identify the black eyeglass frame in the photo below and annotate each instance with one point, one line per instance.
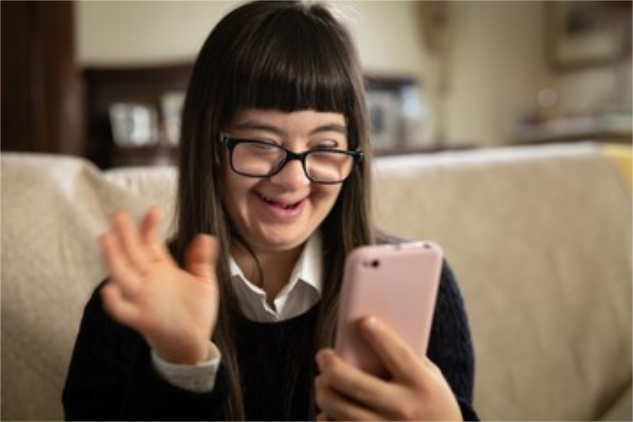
(231, 143)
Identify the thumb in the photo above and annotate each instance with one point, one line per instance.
(201, 256)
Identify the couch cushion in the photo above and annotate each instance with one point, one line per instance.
(53, 209)
(540, 240)
(539, 237)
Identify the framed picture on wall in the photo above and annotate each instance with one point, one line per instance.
(395, 107)
(580, 34)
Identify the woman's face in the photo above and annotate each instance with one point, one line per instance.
(280, 212)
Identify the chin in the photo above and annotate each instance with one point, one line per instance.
(281, 243)
(283, 246)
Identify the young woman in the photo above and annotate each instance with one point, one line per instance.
(236, 318)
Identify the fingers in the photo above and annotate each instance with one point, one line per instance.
(141, 247)
(395, 353)
(150, 224)
(149, 234)
(351, 394)
(118, 306)
(130, 241)
(336, 406)
(121, 271)
(416, 391)
(129, 250)
(201, 256)
(126, 253)
(347, 379)
(323, 417)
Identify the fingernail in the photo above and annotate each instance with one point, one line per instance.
(102, 240)
(322, 359)
(371, 324)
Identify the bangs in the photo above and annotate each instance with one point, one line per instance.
(288, 76)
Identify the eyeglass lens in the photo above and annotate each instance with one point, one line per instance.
(261, 160)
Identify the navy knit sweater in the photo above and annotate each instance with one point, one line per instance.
(111, 375)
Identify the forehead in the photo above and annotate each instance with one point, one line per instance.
(296, 122)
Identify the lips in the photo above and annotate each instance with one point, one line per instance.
(286, 205)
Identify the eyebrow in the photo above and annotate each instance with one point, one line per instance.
(328, 127)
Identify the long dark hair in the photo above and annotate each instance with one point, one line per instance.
(285, 55)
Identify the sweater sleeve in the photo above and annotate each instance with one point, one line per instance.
(111, 377)
(199, 377)
(450, 345)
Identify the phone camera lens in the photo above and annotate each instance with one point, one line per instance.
(374, 263)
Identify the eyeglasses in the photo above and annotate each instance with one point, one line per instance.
(263, 159)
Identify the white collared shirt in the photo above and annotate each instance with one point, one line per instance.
(301, 293)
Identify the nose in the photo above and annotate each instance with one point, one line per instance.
(291, 175)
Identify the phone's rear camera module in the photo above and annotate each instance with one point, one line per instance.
(374, 263)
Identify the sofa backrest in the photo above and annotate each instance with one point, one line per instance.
(53, 210)
(540, 240)
(539, 237)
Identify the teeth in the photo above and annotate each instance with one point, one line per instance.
(273, 202)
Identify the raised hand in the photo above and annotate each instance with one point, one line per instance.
(174, 309)
(416, 390)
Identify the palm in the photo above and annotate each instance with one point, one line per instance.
(174, 309)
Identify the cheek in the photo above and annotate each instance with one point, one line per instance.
(329, 195)
(236, 189)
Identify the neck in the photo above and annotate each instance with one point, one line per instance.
(273, 272)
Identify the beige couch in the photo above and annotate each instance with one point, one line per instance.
(539, 237)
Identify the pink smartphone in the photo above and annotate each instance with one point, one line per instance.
(397, 283)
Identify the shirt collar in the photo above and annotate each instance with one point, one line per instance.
(308, 268)
(310, 264)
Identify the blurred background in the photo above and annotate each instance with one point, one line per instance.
(535, 222)
(105, 80)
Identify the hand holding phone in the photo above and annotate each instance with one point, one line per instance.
(396, 283)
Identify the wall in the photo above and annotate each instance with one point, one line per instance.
(111, 32)
(603, 30)
(497, 66)
(135, 32)
(492, 69)
(589, 89)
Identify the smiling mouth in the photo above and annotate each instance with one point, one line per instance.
(279, 204)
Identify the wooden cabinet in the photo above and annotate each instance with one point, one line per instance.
(143, 86)
(41, 98)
